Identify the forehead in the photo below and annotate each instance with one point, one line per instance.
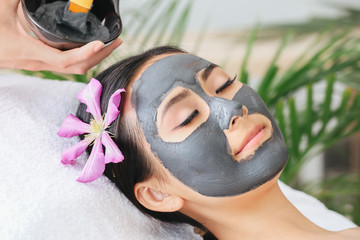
(166, 73)
(180, 66)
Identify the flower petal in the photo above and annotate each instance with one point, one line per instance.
(69, 155)
(95, 165)
(73, 126)
(113, 107)
(90, 96)
(112, 151)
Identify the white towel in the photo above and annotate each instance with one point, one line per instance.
(41, 199)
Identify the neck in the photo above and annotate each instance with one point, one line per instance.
(264, 213)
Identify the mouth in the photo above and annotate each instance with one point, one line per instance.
(252, 141)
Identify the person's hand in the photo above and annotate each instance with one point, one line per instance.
(19, 50)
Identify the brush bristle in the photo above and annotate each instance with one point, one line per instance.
(76, 8)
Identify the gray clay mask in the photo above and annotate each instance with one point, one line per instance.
(203, 161)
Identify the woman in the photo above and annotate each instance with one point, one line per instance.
(199, 147)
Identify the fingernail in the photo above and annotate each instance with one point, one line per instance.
(98, 47)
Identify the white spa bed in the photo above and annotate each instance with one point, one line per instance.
(39, 197)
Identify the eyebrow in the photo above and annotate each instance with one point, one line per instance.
(177, 98)
(206, 73)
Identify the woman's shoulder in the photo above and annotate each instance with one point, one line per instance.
(346, 234)
(351, 233)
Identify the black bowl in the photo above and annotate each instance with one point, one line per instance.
(107, 11)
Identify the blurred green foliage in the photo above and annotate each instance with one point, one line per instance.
(340, 193)
(349, 17)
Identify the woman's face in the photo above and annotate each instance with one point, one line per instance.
(212, 132)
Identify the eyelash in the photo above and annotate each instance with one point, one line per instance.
(189, 119)
(223, 87)
(196, 112)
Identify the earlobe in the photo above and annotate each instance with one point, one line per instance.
(156, 200)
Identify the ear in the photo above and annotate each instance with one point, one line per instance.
(149, 196)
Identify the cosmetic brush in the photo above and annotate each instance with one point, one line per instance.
(76, 13)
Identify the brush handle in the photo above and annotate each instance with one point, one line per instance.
(77, 6)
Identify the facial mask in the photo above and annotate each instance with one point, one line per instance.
(203, 161)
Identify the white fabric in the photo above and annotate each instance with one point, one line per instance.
(316, 211)
(39, 197)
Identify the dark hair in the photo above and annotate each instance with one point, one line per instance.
(135, 168)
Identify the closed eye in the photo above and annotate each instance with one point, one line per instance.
(189, 119)
(226, 84)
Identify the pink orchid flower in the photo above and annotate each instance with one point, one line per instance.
(95, 133)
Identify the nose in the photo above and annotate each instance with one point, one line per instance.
(235, 119)
(223, 110)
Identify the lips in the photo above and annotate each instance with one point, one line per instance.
(252, 141)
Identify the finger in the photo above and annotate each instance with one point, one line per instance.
(101, 55)
(83, 67)
(78, 68)
(82, 54)
(39, 51)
